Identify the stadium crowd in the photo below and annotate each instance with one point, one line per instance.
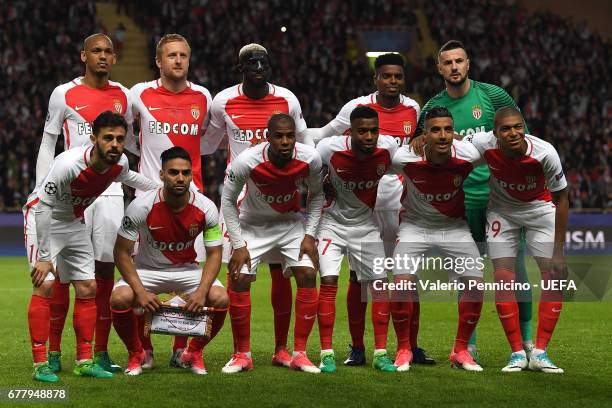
(555, 70)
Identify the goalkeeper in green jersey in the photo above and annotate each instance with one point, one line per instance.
(473, 105)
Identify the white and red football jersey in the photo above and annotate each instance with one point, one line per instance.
(169, 119)
(272, 194)
(71, 185)
(355, 180)
(73, 108)
(166, 237)
(398, 122)
(245, 120)
(434, 196)
(523, 183)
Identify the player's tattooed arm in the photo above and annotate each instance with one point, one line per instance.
(123, 259)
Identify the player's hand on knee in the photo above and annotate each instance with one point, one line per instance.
(309, 247)
(196, 301)
(240, 257)
(40, 271)
(148, 301)
(418, 145)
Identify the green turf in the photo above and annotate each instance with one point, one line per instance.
(582, 346)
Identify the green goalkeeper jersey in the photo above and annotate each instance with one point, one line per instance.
(472, 113)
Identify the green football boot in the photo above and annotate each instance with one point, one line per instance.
(102, 359)
(55, 361)
(382, 362)
(328, 362)
(90, 369)
(44, 373)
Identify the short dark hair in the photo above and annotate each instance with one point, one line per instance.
(452, 45)
(504, 112)
(391, 58)
(277, 117)
(175, 152)
(108, 119)
(438, 112)
(363, 112)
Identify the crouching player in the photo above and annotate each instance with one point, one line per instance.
(76, 179)
(528, 190)
(168, 221)
(269, 220)
(355, 165)
(434, 219)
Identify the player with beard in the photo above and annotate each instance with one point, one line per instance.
(72, 108)
(242, 112)
(473, 105)
(76, 179)
(171, 111)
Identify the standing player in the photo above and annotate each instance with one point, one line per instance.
(529, 191)
(168, 220)
(76, 179)
(171, 112)
(72, 108)
(242, 112)
(355, 166)
(435, 218)
(473, 105)
(397, 116)
(270, 219)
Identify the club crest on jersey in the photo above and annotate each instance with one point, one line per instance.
(407, 127)
(530, 179)
(193, 230)
(476, 111)
(195, 111)
(381, 169)
(117, 105)
(457, 179)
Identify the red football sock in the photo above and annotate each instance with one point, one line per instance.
(198, 343)
(356, 310)
(104, 287)
(38, 321)
(306, 303)
(401, 313)
(548, 315)
(126, 326)
(240, 317)
(508, 315)
(414, 323)
(84, 323)
(144, 340)
(281, 296)
(60, 303)
(381, 310)
(470, 306)
(180, 342)
(327, 314)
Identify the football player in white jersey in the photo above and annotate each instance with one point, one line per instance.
(171, 111)
(76, 179)
(242, 112)
(528, 190)
(167, 221)
(434, 219)
(73, 106)
(270, 220)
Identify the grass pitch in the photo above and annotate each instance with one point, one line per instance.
(581, 345)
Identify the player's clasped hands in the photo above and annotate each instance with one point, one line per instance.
(240, 257)
(309, 247)
(147, 301)
(40, 271)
